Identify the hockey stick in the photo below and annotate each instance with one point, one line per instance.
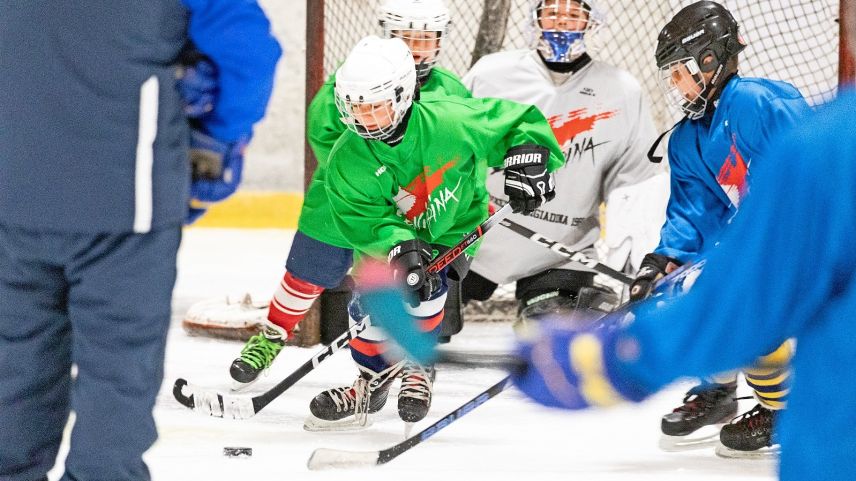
(323, 458)
(238, 406)
(566, 251)
(216, 404)
(450, 255)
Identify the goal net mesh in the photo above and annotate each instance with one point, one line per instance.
(791, 40)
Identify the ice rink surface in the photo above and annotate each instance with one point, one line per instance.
(507, 438)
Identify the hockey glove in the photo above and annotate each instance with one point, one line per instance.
(654, 267)
(409, 259)
(217, 168)
(572, 369)
(527, 182)
(197, 83)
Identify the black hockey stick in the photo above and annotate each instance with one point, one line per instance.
(566, 251)
(323, 458)
(243, 406)
(216, 404)
(450, 255)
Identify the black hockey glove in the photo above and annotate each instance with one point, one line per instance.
(527, 182)
(409, 259)
(654, 267)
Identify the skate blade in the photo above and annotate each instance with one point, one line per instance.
(705, 437)
(315, 424)
(408, 428)
(770, 453)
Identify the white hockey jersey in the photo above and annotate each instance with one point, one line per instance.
(604, 126)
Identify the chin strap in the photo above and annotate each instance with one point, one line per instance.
(714, 98)
(398, 134)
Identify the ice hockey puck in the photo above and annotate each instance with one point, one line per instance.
(237, 452)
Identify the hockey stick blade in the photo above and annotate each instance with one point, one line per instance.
(212, 403)
(323, 458)
(243, 406)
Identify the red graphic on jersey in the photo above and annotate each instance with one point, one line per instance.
(575, 122)
(413, 199)
(733, 176)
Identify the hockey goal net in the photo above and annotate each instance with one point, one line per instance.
(793, 40)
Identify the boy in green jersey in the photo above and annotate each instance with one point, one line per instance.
(320, 256)
(408, 181)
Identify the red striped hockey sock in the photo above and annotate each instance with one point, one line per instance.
(291, 301)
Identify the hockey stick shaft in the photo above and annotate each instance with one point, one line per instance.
(566, 251)
(389, 454)
(242, 406)
(450, 255)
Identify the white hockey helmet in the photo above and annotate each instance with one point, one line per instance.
(375, 87)
(421, 24)
(561, 26)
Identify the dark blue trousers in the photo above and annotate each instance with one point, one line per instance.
(101, 302)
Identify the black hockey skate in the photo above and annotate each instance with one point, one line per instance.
(256, 356)
(348, 407)
(414, 398)
(704, 405)
(749, 436)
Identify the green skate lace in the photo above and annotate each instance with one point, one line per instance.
(260, 351)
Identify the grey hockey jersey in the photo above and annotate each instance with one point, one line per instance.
(604, 126)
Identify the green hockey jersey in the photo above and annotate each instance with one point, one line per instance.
(323, 130)
(431, 185)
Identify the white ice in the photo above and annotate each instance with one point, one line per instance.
(507, 438)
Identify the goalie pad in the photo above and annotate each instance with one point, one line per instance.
(563, 293)
(232, 317)
(634, 216)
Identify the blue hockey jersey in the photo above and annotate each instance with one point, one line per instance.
(710, 160)
(785, 267)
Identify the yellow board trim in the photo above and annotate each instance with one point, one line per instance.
(255, 210)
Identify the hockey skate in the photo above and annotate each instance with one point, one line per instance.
(697, 422)
(414, 397)
(348, 408)
(256, 356)
(750, 436)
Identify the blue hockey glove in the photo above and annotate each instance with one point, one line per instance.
(527, 182)
(197, 85)
(573, 369)
(654, 267)
(217, 168)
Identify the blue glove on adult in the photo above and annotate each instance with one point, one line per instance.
(217, 168)
(573, 369)
(197, 84)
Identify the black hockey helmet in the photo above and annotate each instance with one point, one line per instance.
(701, 30)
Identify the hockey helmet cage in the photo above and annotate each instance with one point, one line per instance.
(375, 87)
(406, 19)
(699, 31)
